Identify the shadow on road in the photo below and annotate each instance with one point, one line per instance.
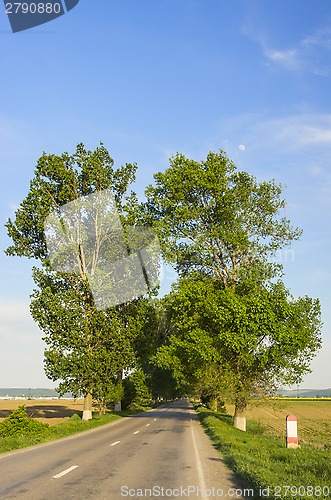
(182, 410)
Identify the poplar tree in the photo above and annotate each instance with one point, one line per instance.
(222, 227)
(85, 346)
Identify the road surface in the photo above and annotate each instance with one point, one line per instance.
(163, 453)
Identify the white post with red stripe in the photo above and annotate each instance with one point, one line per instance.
(292, 432)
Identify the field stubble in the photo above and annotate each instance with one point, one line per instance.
(314, 419)
(49, 411)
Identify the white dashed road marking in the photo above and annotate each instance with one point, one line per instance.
(116, 442)
(201, 477)
(63, 473)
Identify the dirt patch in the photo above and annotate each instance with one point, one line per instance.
(50, 411)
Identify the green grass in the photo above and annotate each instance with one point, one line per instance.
(314, 419)
(130, 413)
(71, 426)
(263, 461)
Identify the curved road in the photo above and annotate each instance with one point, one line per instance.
(163, 453)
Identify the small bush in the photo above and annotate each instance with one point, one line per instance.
(19, 424)
(43, 432)
(75, 416)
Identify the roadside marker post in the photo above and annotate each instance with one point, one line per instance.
(292, 440)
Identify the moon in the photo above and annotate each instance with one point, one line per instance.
(242, 147)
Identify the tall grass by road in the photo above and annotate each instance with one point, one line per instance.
(263, 461)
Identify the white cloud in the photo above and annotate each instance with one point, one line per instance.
(288, 132)
(295, 150)
(303, 130)
(317, 276)
(310, 53)
(289, 58)
(321, 38)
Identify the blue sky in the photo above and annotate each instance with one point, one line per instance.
(151, 78)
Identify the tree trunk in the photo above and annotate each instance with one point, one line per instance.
(239, 416)
(87, 412)
(213, 404)
(118, 403)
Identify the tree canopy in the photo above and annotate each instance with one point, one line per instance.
(60, 179)
(245, 344)
(217, 220)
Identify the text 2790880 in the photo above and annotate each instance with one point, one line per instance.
(33, 8)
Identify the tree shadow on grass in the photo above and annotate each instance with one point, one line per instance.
(40, 411)
(52, 411)
(221, 415)
(243, 481)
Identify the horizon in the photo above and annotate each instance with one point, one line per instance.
(293, 389)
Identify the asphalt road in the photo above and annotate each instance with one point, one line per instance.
(163, 453)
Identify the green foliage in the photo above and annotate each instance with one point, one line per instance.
(57, 181)
(137, 393)
(210, 385)
(228, 330)
(164, 385)
(107, 393)
(19, 424)
(220, 229)
(71, 426)
(234, 345)
(86, 347)
(76, 417)
(75, 425)
(216, 220)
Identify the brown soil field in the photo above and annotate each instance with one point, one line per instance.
(50, 411)
(314, 419)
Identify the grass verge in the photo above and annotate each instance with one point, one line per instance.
(71, 426)
(264, 464)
